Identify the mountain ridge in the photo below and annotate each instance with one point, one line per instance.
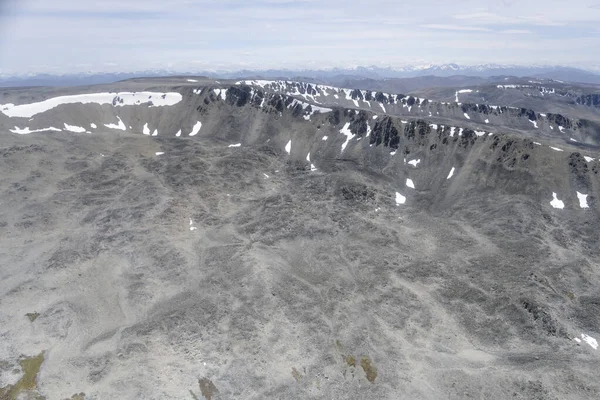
(566, 73)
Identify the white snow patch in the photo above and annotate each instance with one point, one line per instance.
(308, 157)
(537, 143)
(582, 200)
(93, 125)
(452, 129)
(414, 162)
(403, 121)
(178, 133)
(382, 107)
(410, 183)
(461, 91)
(433, 126)
(534, 123)
(561, 129)
(313, 168)
(400, 199)
(288, 147)
(556, 148)
(573, 140)
(116, 99)
(393, 153)
(467, 116)
(460, 132)
(120, 125)
(145, 129)
(192, 80)
(159, 153)
(479, 133)
(196, 128)
(451, 173)
(349, 135)
(314, 109)
(368, 130)
(590, 340)
(192, 228)
(235, 145)
(588, 159)
(355, 103)
(375, 116)
(487, 121)
(74, 128)
(266, 176)
(543, 115)
(324, 138)
(556, 203)
(26, 130)
(155, 133)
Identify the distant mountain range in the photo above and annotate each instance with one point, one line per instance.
(570, 74)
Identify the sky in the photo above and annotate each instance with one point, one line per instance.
(73, 36)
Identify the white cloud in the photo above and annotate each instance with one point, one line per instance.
(516, 31)
(455, 27)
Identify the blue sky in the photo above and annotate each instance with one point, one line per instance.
(64, 36)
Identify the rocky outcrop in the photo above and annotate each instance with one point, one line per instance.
(386, 133)
(590, 100)
(359, 125)
(559, 120)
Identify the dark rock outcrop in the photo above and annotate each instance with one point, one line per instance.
(590, 100)
(386, 133)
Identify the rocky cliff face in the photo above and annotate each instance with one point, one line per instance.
(489, 118)
(590, 100)
(308, 115)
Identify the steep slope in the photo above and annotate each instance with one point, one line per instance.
(501, 117)
(268, 244)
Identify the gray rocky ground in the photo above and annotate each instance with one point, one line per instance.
(226, 265)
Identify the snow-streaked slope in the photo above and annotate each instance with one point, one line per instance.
(154, 99)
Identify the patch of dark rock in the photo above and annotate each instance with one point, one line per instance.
(559, 120)
(238, 95)
(358, 126)
(590, 100)
(356, 192)
(386, 133)
(543, 318)
(207, 388)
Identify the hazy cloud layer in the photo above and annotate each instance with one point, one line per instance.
(73, 36)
